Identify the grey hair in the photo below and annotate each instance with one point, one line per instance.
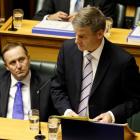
(90, 16)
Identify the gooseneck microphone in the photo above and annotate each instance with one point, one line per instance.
(40, 136)
(12, 25)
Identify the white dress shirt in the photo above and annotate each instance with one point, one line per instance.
(25, 96)
(72, 6)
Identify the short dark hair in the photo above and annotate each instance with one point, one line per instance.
(10, 46)
(90, 16)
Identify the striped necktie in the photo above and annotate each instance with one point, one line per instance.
(86, 86)
(18, 112)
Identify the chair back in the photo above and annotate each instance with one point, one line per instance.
(137, 16)
(120, 15)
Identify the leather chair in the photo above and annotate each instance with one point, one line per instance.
(137, 16)
(134, 122)
(120, 15)
(44, 66)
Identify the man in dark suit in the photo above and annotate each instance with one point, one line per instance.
(115, 92)
(17, 63)
(60, 10)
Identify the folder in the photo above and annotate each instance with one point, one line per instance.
(52, 27)
(79, 128)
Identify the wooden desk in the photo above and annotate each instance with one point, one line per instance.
(11, 129)
(46, 47)
(119, 38)
(18, 130)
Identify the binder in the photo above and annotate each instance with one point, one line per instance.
(79, 128)
(134, 36)
(52, 27)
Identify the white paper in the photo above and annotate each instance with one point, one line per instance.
(136, 31)
(53, 24)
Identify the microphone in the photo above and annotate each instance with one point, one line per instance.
(40, 136)
(12, 26)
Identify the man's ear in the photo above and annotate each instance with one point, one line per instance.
(100, 34)
(6, 66)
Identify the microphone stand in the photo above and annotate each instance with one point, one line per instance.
(12, 26)
(40, 136)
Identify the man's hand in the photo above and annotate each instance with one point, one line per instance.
(70, 113)
(71, 17)
(103, 118)
(58, 16)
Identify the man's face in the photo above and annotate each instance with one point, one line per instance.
(17, 62)
(88, 40)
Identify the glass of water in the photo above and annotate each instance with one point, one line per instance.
(53, 126)
(34, 119)
(109, 24)
(18, 17)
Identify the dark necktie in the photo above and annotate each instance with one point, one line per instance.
(86, 86)
(18, 112)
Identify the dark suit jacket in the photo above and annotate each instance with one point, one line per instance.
(115, 87)
(53, 6)
(37, 81)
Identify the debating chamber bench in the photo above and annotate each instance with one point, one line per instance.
(12, 129)
(46, 47)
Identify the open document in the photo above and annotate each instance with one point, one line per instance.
(53, 27)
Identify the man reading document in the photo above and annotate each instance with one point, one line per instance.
(95, 78)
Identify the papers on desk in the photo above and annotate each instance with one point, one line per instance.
(52, 27)
(134, 36)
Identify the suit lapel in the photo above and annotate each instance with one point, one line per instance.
(103, 65)
(35, 84)
(4, 90)
(78, 66)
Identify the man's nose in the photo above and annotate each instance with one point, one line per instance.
(18, 64)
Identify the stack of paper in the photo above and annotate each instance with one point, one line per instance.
(52, 27)
(134, 36)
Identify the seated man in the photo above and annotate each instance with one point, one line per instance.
(18, 73)
(65, 9)
(95, 78)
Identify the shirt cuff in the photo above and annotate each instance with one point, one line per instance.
(112, 116)
(67, 112)
(45, 17)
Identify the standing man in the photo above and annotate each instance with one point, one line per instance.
(19, 85)
(95, 78)
(65, 9)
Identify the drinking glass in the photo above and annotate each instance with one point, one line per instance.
(109, 23)
(53, 125)
(18, 17)
(34, 119)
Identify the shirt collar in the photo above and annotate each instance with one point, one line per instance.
(25, 81)
(97, 53)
